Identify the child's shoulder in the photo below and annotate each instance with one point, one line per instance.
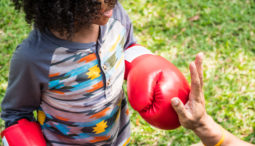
(31, 49)
(120, 14)
(25, 48)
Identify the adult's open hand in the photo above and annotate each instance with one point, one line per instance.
(192, 114)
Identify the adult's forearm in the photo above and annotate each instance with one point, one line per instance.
(212, 133)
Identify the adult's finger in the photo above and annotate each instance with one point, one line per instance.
(195, 83)
(179, 107)
(199, 66)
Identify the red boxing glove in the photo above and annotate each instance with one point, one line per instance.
(24, 133)
(152, 82)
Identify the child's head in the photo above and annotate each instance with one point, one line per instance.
(64, 16)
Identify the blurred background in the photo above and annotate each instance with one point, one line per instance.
(224, 30)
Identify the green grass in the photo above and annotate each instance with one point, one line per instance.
(177, 30)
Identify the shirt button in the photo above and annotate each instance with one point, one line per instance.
(108, 83)
(100, 52)
(104, 67)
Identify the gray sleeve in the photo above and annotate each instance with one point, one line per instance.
(123, 17)
(130, 37)
(23, 91)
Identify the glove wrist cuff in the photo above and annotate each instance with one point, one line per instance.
(133, 52)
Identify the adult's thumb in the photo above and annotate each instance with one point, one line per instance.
(178, 106)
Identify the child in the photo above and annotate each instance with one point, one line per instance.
(71, 69)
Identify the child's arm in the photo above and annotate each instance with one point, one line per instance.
(151, 82)
(23, 92)
(21, 99)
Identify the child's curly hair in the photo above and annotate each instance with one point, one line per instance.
(63, 16)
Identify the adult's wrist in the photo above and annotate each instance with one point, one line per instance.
(202, 124)
(208, 131)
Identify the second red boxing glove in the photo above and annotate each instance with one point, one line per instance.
(152, 82)
(24, 133)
